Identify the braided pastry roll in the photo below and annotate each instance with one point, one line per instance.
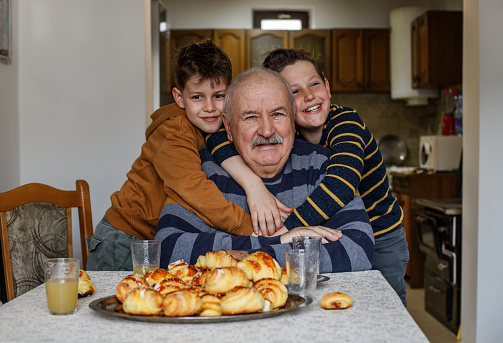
(216, 259)
(155, 276)
(211, 305)
(221, 280)
(170, 285)
(181, 303)
(336, 300)
(127, 284)
(200, 278)
(260, 265)
(182, 270)
(143, 301)
(242, 300)
(273, 291)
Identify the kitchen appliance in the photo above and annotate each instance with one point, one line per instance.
(440, 153)
(439, 230)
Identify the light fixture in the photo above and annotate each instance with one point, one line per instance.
(284, 22)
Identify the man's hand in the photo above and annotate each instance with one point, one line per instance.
(325, 233)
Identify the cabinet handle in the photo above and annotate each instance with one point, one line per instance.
(434, 289)
(442, 266)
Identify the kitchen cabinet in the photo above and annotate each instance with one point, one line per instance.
(360, 60)
(233, 43)
(407, 188)
(437, 48)
(260, 42)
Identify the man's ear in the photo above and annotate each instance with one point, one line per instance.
(177, 94)
(327, 86)
(227, 126)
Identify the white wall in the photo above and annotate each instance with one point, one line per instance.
(482, 185)
(9, 121)
(80, 94)
(224, 14)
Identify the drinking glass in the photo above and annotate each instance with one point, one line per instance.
(309, 243)
(146, 256)
(301, 269)
(61, 284)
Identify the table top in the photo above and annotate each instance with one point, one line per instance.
(377, 315)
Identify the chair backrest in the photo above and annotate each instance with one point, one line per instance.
(36, 224)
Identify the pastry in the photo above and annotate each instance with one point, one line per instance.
(86, 287)
(127, 284)
(211, 305)
(182, 270)
(260, 265)
(336, 300)
(155, 276)
(216, 259)
(272, 290)
(284, 276)
(143, 301)
(200, 277)
(221, 280)
(170, 285)
(181, 303)
(242, 300)
(83, 273)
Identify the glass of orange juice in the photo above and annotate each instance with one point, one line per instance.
(61, 284)
(146, 255)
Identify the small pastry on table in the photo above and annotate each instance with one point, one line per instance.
(336, 300)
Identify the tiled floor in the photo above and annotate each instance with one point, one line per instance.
(433, 329)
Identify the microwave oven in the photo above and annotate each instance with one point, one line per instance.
(440, 153)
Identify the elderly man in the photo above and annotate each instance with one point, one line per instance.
(259, 120)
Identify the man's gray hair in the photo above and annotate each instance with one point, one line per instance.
(243, 77)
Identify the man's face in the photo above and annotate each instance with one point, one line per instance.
(262, 125)
(203, 103)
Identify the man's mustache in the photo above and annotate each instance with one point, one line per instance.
(261, 140)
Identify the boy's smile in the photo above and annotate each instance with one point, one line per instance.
(312, 96)
(203, 102)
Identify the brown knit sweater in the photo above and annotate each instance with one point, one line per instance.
(169, 169)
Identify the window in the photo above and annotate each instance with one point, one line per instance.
(281, 20)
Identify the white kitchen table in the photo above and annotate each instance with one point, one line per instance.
(377, 315)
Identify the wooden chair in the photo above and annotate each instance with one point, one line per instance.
(36, 224)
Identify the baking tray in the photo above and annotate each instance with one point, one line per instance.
(110, 306)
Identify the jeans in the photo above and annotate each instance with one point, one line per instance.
(390, 258)
(109, 248)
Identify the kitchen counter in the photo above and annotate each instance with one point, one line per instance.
(377, 315)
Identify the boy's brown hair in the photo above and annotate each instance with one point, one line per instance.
(205, 59)
(280, 58)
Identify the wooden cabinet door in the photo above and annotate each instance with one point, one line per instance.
(233, 43)
(376, 60)
(347, 60)
(180, 38)
(260, 42)
(316, 42)
(437, 47)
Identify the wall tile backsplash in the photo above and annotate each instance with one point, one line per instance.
(386, 116)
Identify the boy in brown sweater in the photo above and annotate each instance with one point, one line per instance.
(169, 167)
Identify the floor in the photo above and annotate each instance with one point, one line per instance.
(433, 329)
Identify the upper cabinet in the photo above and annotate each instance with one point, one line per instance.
(260, 42)
(233, 43)
(437, 47)
(360, 60)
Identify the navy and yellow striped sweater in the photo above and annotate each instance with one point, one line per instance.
(356, 167)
